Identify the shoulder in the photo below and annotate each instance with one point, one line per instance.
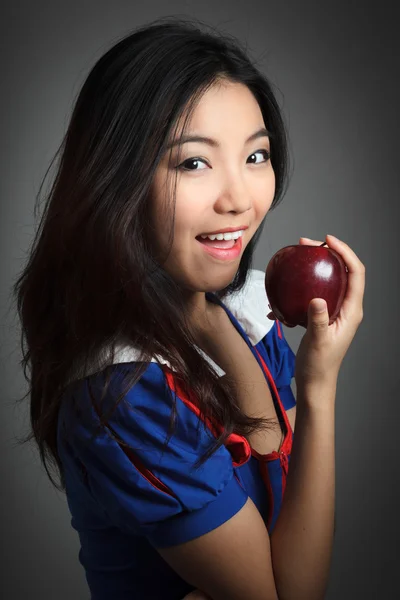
(144, 412)
(250, 307)
(146, 400)
(146, 484)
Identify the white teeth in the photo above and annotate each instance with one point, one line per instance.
(234, 235)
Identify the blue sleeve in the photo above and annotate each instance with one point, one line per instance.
(283, 360)
(148, 489)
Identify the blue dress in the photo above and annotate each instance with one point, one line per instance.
(125, 502)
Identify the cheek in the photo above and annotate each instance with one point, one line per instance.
(187, 219)
(264, 201)
(268, 191)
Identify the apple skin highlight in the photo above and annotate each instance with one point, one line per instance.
(296, 274)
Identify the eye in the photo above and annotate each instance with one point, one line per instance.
(265, 152)
(188, 162)
(196, 160)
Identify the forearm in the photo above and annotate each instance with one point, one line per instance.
(302, 539)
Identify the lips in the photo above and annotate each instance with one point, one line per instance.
(223, 253)
(226, 230)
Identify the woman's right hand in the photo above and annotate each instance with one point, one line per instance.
(323, 346)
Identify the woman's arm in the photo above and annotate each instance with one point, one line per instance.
(301, 542)
(302, 539)
(293, 564)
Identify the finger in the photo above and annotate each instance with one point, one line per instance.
(308, 242)
(352, 303)
(271, 316)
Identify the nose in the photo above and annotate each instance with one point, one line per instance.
(235, 195)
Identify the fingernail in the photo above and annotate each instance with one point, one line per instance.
(320, 305)
(334, 237)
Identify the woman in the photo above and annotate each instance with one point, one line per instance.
(159, 389)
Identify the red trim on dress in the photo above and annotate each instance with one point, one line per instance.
(283, 452)
(236, 444)
(146, 473)
(137, 463)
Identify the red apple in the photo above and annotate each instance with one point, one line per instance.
(297, 274)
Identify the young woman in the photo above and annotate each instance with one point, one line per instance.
(159, 388)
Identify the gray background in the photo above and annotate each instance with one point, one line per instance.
(336, 66)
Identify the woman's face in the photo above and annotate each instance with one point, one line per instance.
(228, 184)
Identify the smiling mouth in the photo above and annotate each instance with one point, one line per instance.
(223, 244)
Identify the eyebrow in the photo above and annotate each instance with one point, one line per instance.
(211, 142)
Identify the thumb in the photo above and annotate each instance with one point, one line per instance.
(318, 316)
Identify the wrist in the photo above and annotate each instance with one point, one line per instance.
(317, 395)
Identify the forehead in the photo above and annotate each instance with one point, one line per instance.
(225, 107)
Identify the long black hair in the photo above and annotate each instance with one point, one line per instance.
(92, 257)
